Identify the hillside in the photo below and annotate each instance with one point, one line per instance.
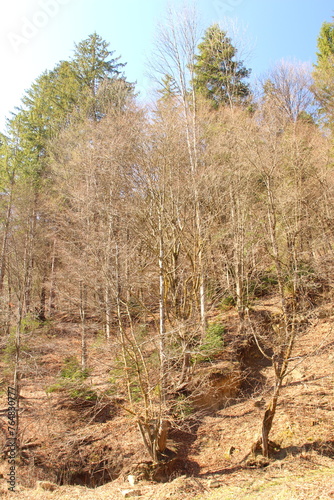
(87, 442)
(166, 275)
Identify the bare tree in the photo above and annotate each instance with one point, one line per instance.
(288, 165)
(174, 55)
(287, 94)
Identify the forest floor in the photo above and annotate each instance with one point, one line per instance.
(213, 449)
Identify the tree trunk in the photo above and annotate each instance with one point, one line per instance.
(162, 347)
(267, 421)
(17, 372)
(83, 305)
(42, 307)
(52, 281)
(29, 258)
(4, 243)
(154, 434)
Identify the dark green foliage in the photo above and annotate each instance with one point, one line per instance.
(83, 393)
(168, 88)
(264, 284)
(136, 392)
(219, 76)
(181, 407)
(87, 86)
(93, 62)
(71, 381)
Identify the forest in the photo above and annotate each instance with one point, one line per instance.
(144, 236)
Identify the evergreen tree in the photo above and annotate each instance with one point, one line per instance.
(93, 62)
(324, 73)
(89, 85)
(97, 71)
(168, 88)
(86, 87)
(219, 76)
(325, 43)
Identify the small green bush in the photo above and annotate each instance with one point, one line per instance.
(10, 349)
(182, 407)
(215, 331)
(74, 390)
(263, 285)
(71, 377)
(213, 342)
(29, 323)
(83, 393)
(228, 302)
(136, 392)
(72, 369)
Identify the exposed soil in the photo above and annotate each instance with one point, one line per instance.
(87, 449)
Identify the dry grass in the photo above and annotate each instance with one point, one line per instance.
(303, 427)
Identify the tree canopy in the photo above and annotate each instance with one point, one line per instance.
(219, 75)
(324, 73)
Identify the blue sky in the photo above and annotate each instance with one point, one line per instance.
(36, 34)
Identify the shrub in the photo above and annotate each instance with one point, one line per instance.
(10, 349)
(29, 323)
(83, 393)
(71, 378)
(213, 342)
(181, 407)
(263, 285)
(228, 302)
(72, 369)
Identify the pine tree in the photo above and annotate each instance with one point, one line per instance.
(219, 76)
(325, 44)
(87, 86)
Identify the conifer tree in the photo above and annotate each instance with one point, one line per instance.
(97, 71)
(219, 76)
(85, 87)
(324, 73)
(168, 88)
(93, 62)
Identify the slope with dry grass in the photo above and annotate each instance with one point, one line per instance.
(95, 442)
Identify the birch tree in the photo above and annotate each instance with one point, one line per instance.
(175, 50)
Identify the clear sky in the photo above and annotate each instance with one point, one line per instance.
(36, 34)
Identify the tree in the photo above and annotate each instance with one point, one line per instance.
(325, 43)
(92, 62)
(218, 75)
(93, 66)
(175, 53)
(288, 189)
(287, 95)
(91, 85)
(168, 88)
(323, 74)
(88, 85)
